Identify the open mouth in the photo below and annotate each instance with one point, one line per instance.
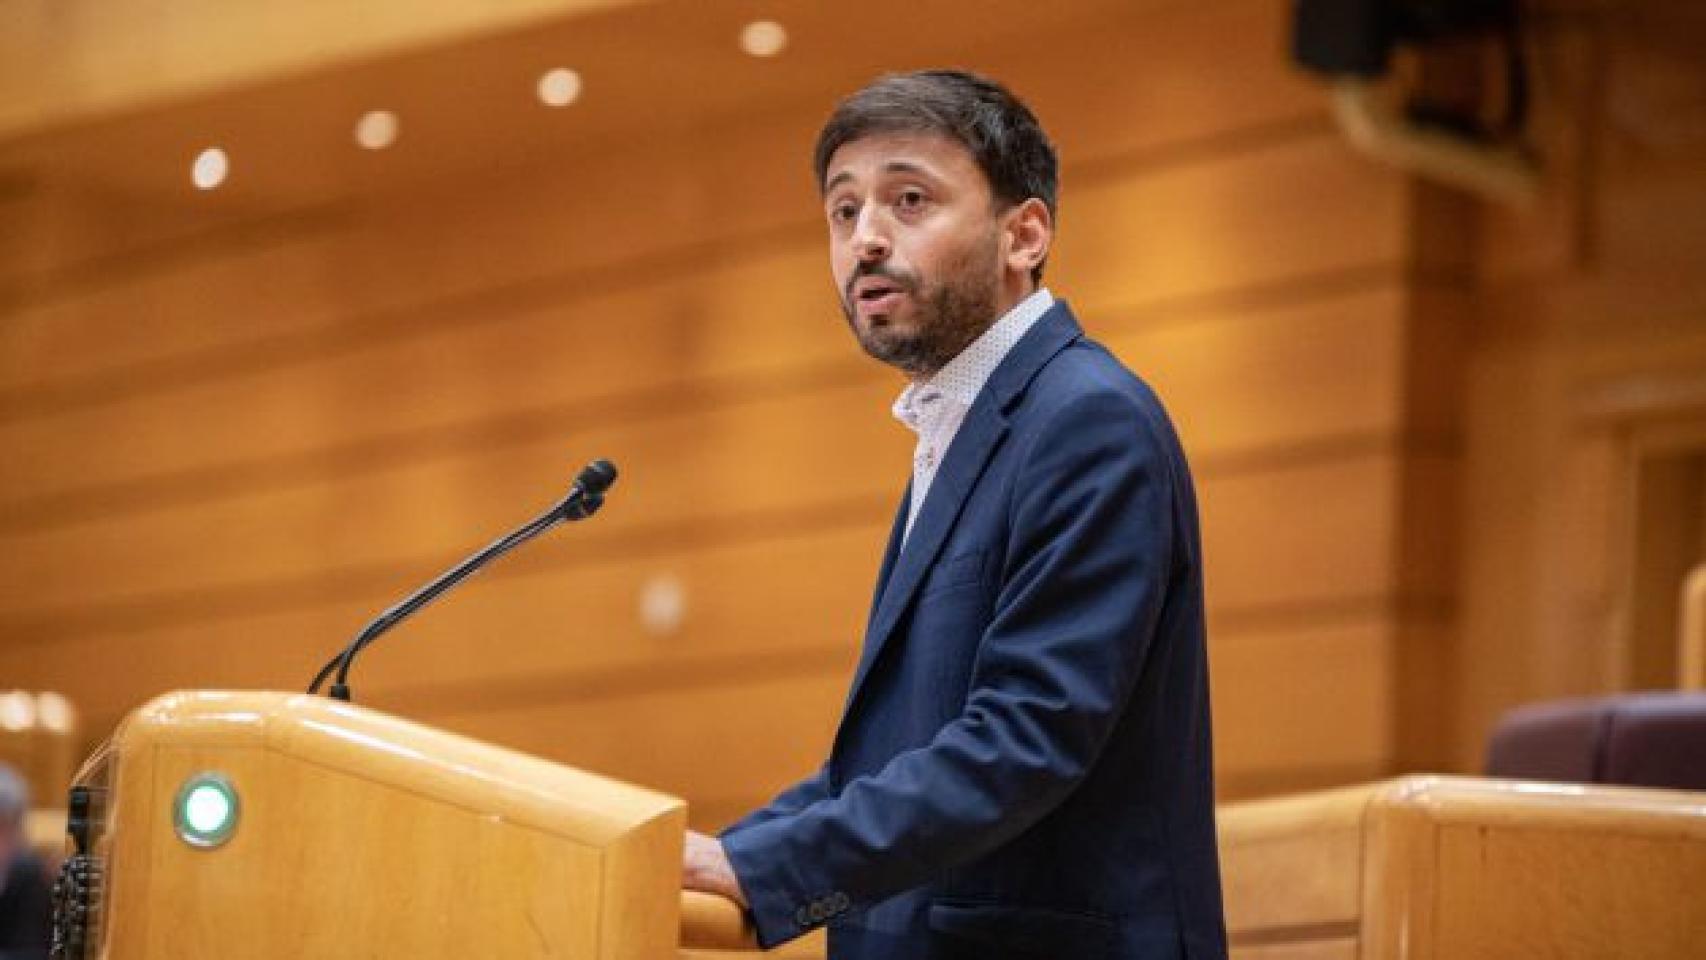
(877, 294)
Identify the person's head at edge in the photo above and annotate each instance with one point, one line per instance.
(939, 188)
(14, 803)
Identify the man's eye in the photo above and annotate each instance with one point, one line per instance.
(911, 199)
(843, 213)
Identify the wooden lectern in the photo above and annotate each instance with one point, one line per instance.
(264, 825)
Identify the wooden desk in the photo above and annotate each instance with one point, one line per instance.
(1426, 867)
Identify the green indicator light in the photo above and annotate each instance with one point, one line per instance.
(206, 810)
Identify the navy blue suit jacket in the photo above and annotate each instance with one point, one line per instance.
(1022, 768)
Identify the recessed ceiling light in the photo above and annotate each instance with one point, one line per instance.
(763, 38)
(17, 711)
(376, 130)
(55, 712)
(559, 87)
(209, 169)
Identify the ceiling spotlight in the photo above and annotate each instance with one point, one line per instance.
(559, 87)
(376, 130)
(55, 712)
(209, 169)
(17, 711)
(763, 38)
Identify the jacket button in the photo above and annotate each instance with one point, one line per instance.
(839, 902)
(817, 911)
(803, 917)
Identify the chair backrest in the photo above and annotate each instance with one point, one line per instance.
(1653, 739)
(1465, 868)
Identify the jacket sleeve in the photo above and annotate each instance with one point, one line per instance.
(788, 802)
(1087, 568)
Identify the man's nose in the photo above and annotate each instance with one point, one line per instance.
(870, 240)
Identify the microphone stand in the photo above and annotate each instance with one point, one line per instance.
(583, 501)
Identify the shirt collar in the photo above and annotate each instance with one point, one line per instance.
(963, 377)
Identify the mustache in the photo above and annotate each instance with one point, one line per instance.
(906, 281)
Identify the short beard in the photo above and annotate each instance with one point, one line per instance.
(951, 313)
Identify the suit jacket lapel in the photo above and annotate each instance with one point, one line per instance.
(897, 533)
(979, 435)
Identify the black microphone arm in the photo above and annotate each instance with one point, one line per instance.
(584, 499)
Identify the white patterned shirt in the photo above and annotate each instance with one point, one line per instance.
(935, 408)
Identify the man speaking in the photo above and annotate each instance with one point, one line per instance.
(1022, 768)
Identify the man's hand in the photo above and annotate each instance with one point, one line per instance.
(704, 866)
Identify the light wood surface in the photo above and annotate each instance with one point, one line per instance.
(1691, 642)
(1294, 862)
(712, 922)
(715, 928)
(359, 832)
(1446, 867)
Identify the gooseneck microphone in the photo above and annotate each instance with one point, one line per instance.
(584, 499)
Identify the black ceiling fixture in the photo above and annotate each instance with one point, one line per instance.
(1352, 44)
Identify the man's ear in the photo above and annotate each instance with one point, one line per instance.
(1030, 233)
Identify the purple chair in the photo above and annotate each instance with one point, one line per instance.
(1636, 739)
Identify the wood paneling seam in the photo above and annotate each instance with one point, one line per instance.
(367, 583)
(208, 485)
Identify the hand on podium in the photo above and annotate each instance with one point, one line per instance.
(705, 867)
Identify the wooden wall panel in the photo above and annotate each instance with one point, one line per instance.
(1335, 213)
(1141, 87)
(1281, 538)
(544, 235)
(1300, 535)
(1313, 699)
(138, 318)
(1243, 386)
(1267, 558)
(560, 609)
(741, 740)
(1251, 384)
(745, 458)
(1175, 232)
(1235, 379)
(314, 495)
(672, 335)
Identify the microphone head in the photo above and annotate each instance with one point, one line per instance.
(595, 478)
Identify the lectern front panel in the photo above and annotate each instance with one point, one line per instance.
(274, 825)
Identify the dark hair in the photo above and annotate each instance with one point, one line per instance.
(1001, 133)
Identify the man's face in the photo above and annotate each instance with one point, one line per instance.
(916, 247)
